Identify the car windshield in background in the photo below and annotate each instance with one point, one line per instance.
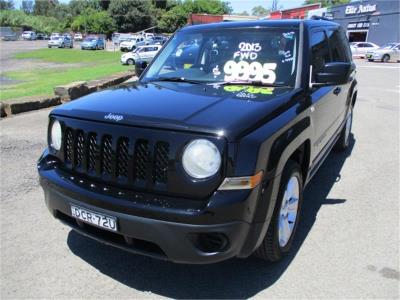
(388, 46)
(263, 55)
(90, 40)
(56, 38)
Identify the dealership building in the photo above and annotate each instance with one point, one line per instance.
(366, 21)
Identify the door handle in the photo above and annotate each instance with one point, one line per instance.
(337, 90)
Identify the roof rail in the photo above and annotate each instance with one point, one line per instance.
(320, 18)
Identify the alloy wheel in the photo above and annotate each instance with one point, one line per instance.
(289, 210)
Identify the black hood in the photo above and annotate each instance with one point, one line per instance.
(215, 109)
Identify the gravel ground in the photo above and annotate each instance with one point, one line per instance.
(347, 246)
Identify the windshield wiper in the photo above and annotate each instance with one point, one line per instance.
(251, 82)
(177, 79)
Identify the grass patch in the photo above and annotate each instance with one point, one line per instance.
(37, 82)
(71, 55)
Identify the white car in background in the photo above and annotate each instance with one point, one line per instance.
(360, 49)
(143, 53)
(78, 36)
(132, 43)
(386, 53)
(28, 35)
(54, 35)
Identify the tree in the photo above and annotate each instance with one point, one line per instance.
(259, 11)
(92, 21)
(77, 7)
(27, 6)
(44, 7)
(6, 4)
(177, 16)
(17, 18)
(327, 3)
(131, 15)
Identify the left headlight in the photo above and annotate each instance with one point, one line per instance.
(201, 159)
(55, 135)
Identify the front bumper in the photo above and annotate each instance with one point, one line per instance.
(88, 46)
(189, 232)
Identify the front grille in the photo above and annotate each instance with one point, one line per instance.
(106, 152)
(119, 158)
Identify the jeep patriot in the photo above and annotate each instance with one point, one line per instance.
(206, 156)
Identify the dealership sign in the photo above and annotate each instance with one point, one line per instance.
(360, 9)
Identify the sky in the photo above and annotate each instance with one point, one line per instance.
(237, 5)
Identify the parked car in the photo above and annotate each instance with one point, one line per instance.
(159, 40)
(386, 53)
(132, 43)
(142, 53)
(122, 37)
(61, 42)
(42, 36)
(54, 35)
(360, 49)
(10, 37)
(206, 161)
(78, 36)
(94, 43)
(28, 35)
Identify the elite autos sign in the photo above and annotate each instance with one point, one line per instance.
(360, 9)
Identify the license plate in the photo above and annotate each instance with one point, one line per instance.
(94, 218)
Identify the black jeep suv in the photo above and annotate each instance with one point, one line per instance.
(206, 156)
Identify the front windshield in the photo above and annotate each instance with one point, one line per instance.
(90, 40)
(266, 55)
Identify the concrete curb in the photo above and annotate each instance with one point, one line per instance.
(64, 93)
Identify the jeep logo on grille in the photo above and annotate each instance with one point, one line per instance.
(111, 116)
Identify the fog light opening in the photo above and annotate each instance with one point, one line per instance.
(210, 242)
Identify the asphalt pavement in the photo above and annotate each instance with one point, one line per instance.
(347, 244)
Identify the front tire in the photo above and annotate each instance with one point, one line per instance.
(130, 62)
(370, 60)
(281, 231)
(386, 58)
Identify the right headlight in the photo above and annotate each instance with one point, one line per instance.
(55, 135)
(201, 159)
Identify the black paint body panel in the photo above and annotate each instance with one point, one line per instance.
(253, 135)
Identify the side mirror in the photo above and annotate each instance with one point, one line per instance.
(334, 73)
(140, 66)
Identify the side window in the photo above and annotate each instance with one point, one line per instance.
(319, 52)
(397, 48)
(339, 46)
